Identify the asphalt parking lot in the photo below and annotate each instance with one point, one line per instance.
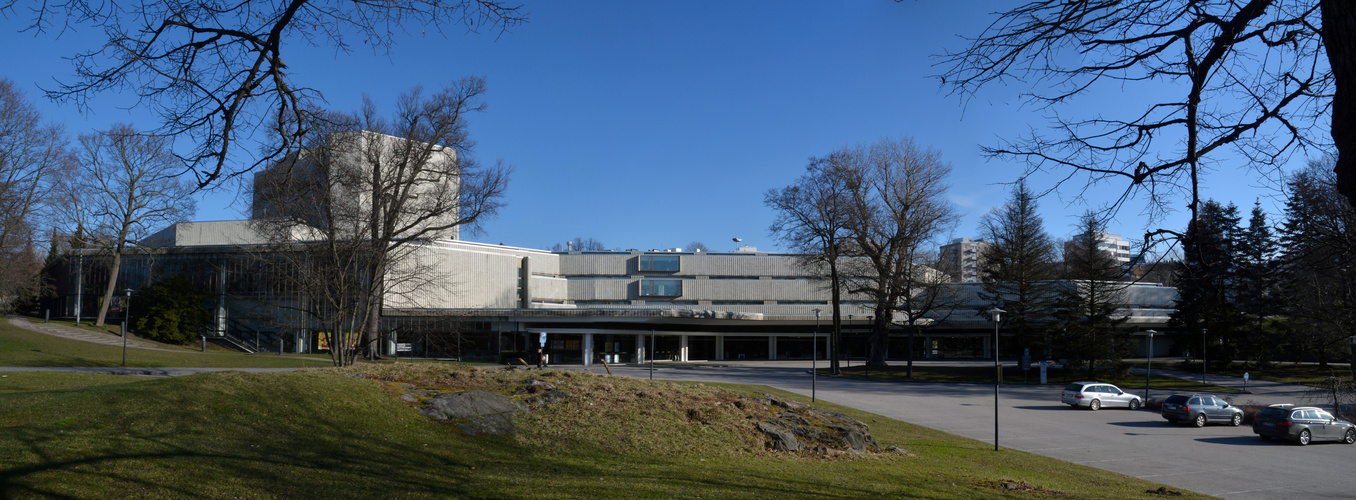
(1220, 460)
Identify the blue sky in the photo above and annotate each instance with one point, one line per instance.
(658, 123)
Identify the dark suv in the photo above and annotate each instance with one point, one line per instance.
(1303, 424)
(1200, 409)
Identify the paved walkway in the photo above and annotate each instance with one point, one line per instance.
(1264, 392)
(59, 330)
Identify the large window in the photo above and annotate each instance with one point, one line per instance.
(658, 262)
(661, 288)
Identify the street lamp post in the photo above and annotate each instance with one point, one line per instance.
(997, 373)
(1203, 342)
(1150, 368)
(126, 324)
(814, 356)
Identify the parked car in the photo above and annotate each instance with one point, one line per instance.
(1095, 395)
(1200, 409)
(1304, 424)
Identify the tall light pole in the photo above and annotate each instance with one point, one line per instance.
(997, 371)
(126, 324)
(1203, 342)
(1150, 368)
(814, 356)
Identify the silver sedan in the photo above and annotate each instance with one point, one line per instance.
(1095, 395)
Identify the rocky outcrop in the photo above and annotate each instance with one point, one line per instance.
(483, 412)
(476, 412)
(794, 426)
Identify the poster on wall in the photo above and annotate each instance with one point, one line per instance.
(323, 340)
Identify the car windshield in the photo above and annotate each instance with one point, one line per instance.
(1177, 400)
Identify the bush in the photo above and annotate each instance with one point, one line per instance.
(171, 311)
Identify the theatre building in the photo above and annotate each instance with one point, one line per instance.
(492, 303)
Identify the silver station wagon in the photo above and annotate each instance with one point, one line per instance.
(1095, 395)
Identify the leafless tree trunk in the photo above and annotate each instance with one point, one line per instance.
(1339, 38)
(811, 218)
(382, 189)
(33, 157)
(128, 188)
(216, 73)
(1249, 76)
(898, 208)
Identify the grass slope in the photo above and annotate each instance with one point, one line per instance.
(20, 347)
(333, 434)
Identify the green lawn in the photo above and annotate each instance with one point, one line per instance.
(320, 433)
(20, 347)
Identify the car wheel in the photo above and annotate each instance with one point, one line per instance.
(1349, 437)
(1095, 405)
(1304, 437)
(1237, 420)
(1200, 420)
(1134, 404)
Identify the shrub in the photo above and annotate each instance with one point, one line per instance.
(171, 311)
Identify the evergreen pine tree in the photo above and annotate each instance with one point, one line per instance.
(1207, 283)
(1091, 327)
(1018, 269)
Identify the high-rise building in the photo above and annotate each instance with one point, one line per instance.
(965, 258)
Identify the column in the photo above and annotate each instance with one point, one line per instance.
(640, 348)
(588, 349)
(772, 347)
(682, 348)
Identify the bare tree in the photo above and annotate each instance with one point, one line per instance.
(580, 244)
(897, 208)
(812, 219)
(1019, 266)
(697, 246)
(1248, 76)
(33, 157)
(216, 73)
(931, 298)
(129, 187)
(381, 189)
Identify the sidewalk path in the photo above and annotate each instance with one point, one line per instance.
(1265, 392)
(64, 331)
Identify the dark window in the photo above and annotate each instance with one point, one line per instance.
(661, 288)
(658, 262)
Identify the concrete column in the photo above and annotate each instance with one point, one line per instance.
(588, 349)
(525, 295)
(682, 348)
(988, 345)
(772, 347)
(641, 345)
(221, 301)
(720, 348)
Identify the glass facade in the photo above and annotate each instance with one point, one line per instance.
(661, 288)
(666, 263)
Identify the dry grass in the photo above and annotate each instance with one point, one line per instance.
(654, 417)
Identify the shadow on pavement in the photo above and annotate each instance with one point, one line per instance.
(1142, 424)
(1248, 440)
